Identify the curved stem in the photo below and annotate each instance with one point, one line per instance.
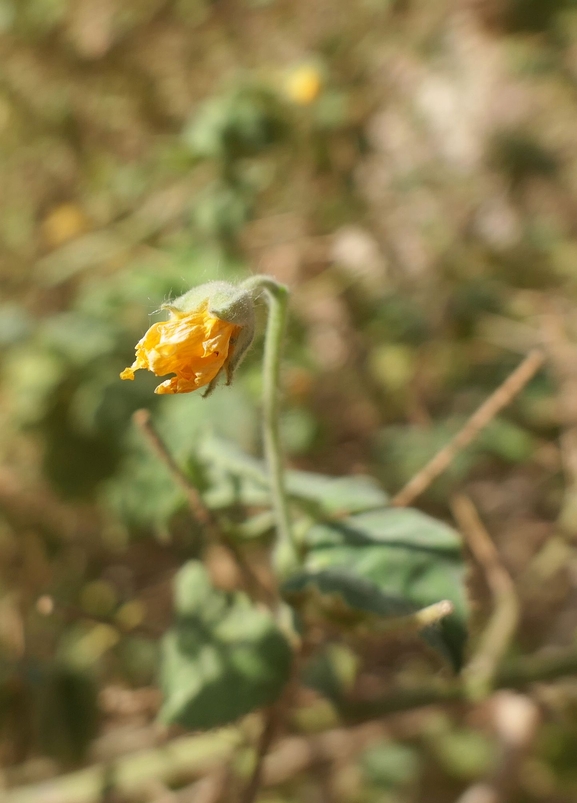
(286, 552)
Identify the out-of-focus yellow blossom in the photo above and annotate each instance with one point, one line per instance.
(304, 84)
(64, 223)
(195, 346)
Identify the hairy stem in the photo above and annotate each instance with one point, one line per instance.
(277, 299)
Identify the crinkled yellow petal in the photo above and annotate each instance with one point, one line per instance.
(193, 346)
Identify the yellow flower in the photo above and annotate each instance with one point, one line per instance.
(303, 85)
(64, 223)
(195, 346)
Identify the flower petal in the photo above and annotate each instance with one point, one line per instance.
(193, 346)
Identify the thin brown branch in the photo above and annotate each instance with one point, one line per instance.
(273, 719)
(477, 422)
(198, 509)
(496, 637)
(201, 513)
(270, 726)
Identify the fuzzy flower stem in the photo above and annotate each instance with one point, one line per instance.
(286, 552)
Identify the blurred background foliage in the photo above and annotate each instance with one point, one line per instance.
(409, 169)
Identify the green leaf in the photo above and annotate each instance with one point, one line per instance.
(223, 658)
(390, 562)
(222, 209)
(242, 479)
(336, 495)
(241, 123)
(143, 493)
(393, 526)
(356, 592)
(390, 765)
(78, 338)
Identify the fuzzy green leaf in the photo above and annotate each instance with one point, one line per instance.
(222, 658)
(389, 562)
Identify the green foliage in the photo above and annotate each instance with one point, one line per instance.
(470, 300)
(463, 752)
(390, 562)
(332, 670)
(139, 658)
(68, 713)
(236, 477)
(558, 748)
(533, 15)
(399, 318)
(146, 150)
(377, 560)
(143, 493)
(243, 122)
(299, 430)
(388, 766)
(222, 209)
(520, 157)
(222, 658)
(41, 16)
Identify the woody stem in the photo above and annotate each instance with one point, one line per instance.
(286, 551)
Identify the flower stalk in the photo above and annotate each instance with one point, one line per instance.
(276, 294)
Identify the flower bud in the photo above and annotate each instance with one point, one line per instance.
(209, 331)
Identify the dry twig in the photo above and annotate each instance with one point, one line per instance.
(201, 513)
(478, 421)
(198, 509)
(480, 672)
(270, 725)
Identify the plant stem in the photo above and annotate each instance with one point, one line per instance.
(270, 724)
(286, 552)
(499, 631)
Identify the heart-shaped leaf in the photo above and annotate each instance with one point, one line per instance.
(223, 657)
(390, 562)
